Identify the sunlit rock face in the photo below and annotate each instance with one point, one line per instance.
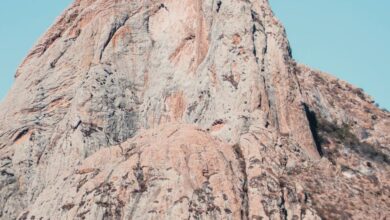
(185, 109)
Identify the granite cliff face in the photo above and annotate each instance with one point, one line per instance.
(190, 109)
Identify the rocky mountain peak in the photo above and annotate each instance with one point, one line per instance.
(185, 109)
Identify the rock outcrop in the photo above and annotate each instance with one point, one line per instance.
(190, 109)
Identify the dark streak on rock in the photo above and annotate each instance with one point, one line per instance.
(311, 117)
(140, 177)
(230, 79)
(21, 134)
(68, 206)
(244, 194)
(114, 29)
(219, 3)
(55, 61)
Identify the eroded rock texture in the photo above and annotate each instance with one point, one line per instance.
(190, 109)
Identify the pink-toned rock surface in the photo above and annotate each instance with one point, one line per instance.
(188, 109)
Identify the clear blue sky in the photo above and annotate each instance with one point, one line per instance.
(349, 39)
(22, 22)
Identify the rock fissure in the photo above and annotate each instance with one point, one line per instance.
(115, 27)
(282, 208)
(244, 190)
(22, 133)
(254, 31)
(54, 62)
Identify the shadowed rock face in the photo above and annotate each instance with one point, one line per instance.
(185, 109)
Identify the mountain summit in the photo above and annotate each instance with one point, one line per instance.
(185, 109)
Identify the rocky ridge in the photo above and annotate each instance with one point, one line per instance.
(185, 110)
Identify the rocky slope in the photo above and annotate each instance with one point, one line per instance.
(190, 109)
